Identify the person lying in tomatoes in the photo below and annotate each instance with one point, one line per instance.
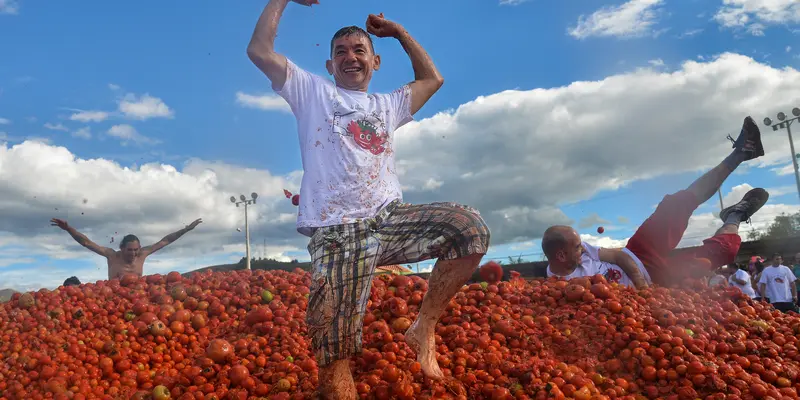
(647, 258)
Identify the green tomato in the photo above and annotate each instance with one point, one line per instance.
(266, 296)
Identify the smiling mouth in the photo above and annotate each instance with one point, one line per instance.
(352, 70)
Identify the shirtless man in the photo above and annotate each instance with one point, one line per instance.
(647, 257)
(351, 200)
(130, 257)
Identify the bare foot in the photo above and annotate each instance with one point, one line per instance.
(336, 381)
(424, 345)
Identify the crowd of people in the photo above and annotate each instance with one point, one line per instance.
(765, 280)
(351, 207)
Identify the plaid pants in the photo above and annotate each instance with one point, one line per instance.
(344, 257)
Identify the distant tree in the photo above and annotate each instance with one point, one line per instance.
(785, 225)
(518, 260)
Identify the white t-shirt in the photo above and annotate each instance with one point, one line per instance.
(778, 281)
(591, 265)
(346, 140)
(747, 288)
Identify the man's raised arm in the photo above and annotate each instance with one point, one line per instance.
(427, 79)
(147, 250)
(261, 49)
(82, 239)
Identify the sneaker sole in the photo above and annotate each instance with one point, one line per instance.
(757, 193)
(752, 127)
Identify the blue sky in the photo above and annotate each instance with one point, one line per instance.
(154, 113)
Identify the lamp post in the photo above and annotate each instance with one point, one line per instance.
(246, 202)
(783, 122)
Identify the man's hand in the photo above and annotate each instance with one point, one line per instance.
(382, 27)
(194, 224)
(59, 223)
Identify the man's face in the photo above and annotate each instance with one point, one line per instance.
(352, 62)
(777, 260)
(572, 252)
(131, 250)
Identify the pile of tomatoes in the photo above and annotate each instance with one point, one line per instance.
(242, 335)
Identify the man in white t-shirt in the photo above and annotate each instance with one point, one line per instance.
(777, 284)
(743, 281)
(350, 199)
(647, 258)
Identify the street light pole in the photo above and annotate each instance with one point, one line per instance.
(246, 202)
(787, 123)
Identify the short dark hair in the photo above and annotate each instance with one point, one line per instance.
(776, 255)
(128, 239)
(352, 30)
(554, 240)
(72, 281)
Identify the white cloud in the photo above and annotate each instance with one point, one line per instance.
(269, 102)
(605, 242)
(126, 134)
(657, 63)
(144, 107)
(623, 220)
(788, 49)
(512, 2)
(565, 143)
(784, 170)
(755, 15)
(634, 18)
(690, 33)
(698, 104)
(592, 220)
(5, 121)
(43, 181)
(56, 127)
(9, 7)
(113, 86)
(89, 116)
(83, 133)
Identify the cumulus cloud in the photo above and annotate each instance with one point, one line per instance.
(605, 242)
(128, 134)
(144, 107)
(83, 133)
(5, 121)
(56, 127)
(755, 15)
(512, 2)
(269, 102)
(43, 181)
(592, 220)
(572, 136)
(635, 18)
(565, 144)
(89, 116)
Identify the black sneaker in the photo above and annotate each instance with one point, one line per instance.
(749, 205)
(749, 140)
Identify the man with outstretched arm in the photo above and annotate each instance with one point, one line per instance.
(130, 257)
(647, 257)
(350, 199)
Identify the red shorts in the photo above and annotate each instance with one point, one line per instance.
(660, 234)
